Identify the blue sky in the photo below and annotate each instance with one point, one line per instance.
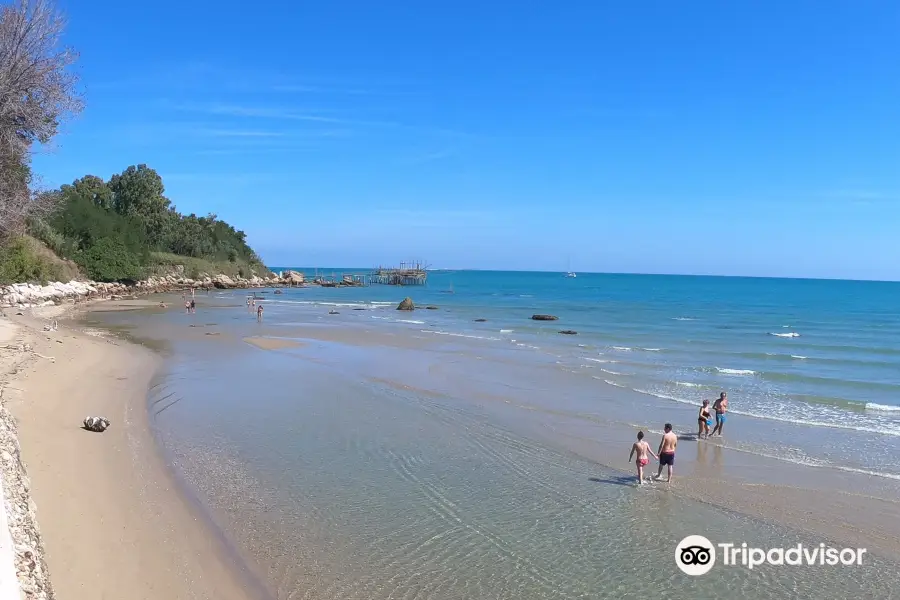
(706, 137)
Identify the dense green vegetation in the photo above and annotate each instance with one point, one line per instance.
(117, 230)
(125, 228)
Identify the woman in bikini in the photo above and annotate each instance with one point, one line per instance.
(704, 420)
(642, 449)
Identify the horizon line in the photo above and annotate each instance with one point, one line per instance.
(627, 273)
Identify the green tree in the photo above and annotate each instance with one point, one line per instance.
(93, 188)
(139, 192)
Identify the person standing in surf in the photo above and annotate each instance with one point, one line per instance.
(642, 449)
(667, 452)
(721, 407)
(704, 420)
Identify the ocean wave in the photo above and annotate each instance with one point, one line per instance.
(522, 345)
(798, 357)
(688, 384)
(772, 417)
(600, 360)
(683, 319)
(410, 321)
(367, 305)
(610, 372)
(651, 349)
(608, 382)
(789, 334)
(622, 348)
(462, 335)
(506, 331)
(882, 407)
(735, 371)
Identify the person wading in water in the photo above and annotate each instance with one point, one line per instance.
(721, 407)
(704, 421)
(642, 449)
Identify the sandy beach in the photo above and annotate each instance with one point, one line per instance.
(113, 523)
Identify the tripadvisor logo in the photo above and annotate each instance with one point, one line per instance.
(696, 555)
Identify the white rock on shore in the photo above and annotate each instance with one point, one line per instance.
(24, 295)
(28, 552)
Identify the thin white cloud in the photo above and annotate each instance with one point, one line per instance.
(241, 133)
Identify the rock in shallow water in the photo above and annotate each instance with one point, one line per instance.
(544, 318)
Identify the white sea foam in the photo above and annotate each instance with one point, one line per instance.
(411, 321)
(688, 384)
(600, 360)
(786, 419)
(735, 371)
(506, 331)
(610, 372)
(790, 334)
(683, 319)
(651, 349)
(462, 335)
(882, 407)
(798, 357)
(622, 348)
(608, 382)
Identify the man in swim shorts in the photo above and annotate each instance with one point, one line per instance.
(721, 407)
(667, 452)
(642, 449)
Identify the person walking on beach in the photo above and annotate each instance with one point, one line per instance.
(193, 305)
(721, 407)
(259, 312)
(667, 452)
(642, 449)
(704, 420)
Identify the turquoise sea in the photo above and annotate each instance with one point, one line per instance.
(820, 353)
(468, 451)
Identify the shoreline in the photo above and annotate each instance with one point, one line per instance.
(749, 491)
(115, 521)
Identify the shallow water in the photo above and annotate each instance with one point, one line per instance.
(412, 469)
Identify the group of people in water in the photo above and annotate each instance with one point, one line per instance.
(251, 302)
(190, 306)
(665, 454)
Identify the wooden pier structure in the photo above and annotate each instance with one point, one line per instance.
(408, 273)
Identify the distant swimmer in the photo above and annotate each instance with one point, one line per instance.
(193, 306)
(704, 420)
(248, 302)
(259, 312)
(642, 449)
(667, 452)
(721, 407)
(187, 306)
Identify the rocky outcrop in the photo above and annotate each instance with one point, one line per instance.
(431, 307)
(544, 318)
(293, 278)
(407, 304)
(30, 565)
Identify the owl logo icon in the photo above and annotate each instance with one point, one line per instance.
(695, 555)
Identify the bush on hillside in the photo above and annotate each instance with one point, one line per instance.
(114, 229)
(110, 259)
(19, 262)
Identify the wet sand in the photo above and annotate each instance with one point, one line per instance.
(113, 522)
(272, 343)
